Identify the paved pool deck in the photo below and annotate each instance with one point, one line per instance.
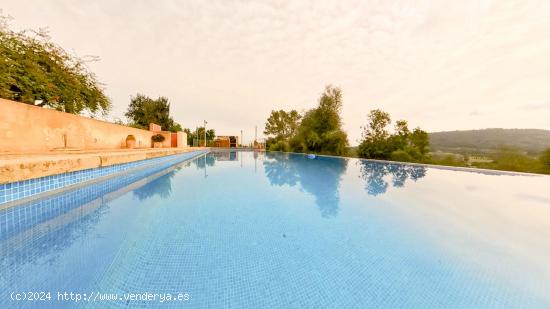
(23, 166)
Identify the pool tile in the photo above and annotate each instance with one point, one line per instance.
(27, 188)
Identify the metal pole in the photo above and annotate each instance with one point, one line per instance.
(205, 133)
(205, 175)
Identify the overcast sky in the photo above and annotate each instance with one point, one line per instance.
(441, 65)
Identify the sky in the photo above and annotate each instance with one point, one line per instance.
(441, 65)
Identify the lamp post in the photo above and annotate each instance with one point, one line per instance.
(197, 137)
(205, 133)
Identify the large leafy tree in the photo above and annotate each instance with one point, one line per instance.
(420, 140)
(376, 143)
(34, 70)
(376, 129)
(282, 124)
(321, 128)
(402, 145)
(143, 110)
(280, 127)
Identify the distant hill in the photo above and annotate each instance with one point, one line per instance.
(532, 141)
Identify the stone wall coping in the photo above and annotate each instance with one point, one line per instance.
(17, 167)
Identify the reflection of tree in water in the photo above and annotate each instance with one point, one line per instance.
(280, 170)
(374, 173)
(161, 186)
(319, 177)
(374, 177)
(417, 173)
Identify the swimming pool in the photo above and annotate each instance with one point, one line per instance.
(272, 230)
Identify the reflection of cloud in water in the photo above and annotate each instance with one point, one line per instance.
(57, 221)
(374, 172)
(319, 177)
(281, 170)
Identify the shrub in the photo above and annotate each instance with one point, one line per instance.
(415, 153)
(381, 149)
(279, 146)
(545, 158)
(510, 159)
(157, 138)
(400, 155)
(449, 160)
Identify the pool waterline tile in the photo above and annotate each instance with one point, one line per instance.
(11, 192)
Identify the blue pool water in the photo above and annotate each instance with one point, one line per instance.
(254, 230)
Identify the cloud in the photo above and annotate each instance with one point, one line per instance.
(232, 62)
(477, 113)
(536, 106)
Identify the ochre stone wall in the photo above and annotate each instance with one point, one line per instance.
(181, 139)
(28, 128)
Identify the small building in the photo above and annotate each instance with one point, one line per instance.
(226, 141)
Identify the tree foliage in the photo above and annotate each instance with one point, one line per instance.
(143, 110)
(419, 140)
(321, 128)
(281, 124)
(376, 129)
(198, 134)
(280, 127)
(402, 145)
(35, 70)
(210, 134)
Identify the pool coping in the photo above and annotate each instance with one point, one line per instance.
(118, 170)
(16, 167)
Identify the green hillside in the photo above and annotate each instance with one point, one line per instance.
(532, 141)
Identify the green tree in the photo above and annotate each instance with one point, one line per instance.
(34, 70)
(376, 143)
(420, 140)
(198, 135)
(176, 127)
(402, 128)
(280, 127)
(376, 130)
(190, 136)
(321, 128)
(275, 145)
(400, 139)
(403, 145)
(143, 110)
(210, 134)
